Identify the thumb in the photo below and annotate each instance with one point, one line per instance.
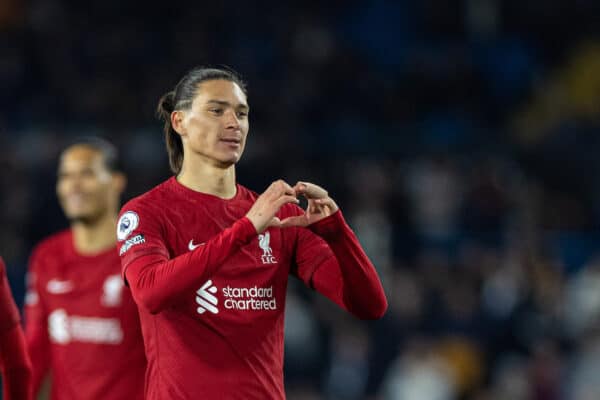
(275, 222)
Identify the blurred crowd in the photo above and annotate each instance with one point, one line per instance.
(458, 137)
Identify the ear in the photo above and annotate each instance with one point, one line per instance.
(119, 181)
(177, 122)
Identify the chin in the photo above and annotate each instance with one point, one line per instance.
(229, 161)
(224, 164)
(81, 217)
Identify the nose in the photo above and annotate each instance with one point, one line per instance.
(72, 187)
(71, 183)
(231, 120)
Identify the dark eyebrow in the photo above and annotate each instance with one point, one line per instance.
(227, 104)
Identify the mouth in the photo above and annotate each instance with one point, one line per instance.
(76, 200)
(232, 142)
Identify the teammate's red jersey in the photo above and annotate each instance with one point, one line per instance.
(8, 309)
(211, 291)
(14, 362)
(82, 324)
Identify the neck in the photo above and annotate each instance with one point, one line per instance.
(95, 237)
(209, 178)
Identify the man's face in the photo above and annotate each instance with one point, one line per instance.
(85, 187)
(216, 125)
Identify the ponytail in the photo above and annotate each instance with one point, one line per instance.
(166, 106)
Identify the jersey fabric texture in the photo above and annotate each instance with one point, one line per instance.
(211, 291)
(8, 309)
(15, 365)
(82, 324)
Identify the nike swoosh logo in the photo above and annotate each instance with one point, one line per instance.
(193, 246)
(56, 286)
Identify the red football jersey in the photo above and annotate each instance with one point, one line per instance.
(15, 366)
(211, 291)
(8, 310)
(82, 324)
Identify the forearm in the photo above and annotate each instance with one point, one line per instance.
(38, 348)
(156, 282)
(16, 366)
(350, 279)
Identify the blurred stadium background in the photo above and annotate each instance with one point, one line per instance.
(460, 138)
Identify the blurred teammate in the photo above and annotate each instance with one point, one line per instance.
(14, 361)
(208, 260)
(82, 325)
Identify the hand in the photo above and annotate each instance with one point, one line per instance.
(262, 213)
(320, 205)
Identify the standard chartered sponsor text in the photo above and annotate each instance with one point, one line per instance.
(252, 298)
(64, 328)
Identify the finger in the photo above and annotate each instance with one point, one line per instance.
(300, 187)
(310, 190)
(312, 208)
(300, 220)
(316, 206)
(286, 185)
(289, 190)
(329, 203)
(276, 189)
(272, 191)
(316, 209)
(275, 222)
(282, 187)
(323, 202)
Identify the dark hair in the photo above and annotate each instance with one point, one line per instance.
(109, 152)
(181, 98)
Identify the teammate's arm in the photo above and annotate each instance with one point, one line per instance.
(14, 361)
(330, 259)
(36, 326)
(157, 281)
(15, 364)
